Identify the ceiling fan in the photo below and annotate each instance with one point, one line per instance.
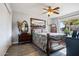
(51, 10)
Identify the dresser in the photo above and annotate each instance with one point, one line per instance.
(24, 38)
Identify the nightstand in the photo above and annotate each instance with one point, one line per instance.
(25, 38)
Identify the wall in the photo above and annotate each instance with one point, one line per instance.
(58, 20)
(66, 11)
(5, 28)
(35, 10)
(18, 16)
(24, 16)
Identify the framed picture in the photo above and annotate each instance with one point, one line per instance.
(37, 22)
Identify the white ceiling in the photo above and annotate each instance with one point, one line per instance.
(36, 8)
(27, 7)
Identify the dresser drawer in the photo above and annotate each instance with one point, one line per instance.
(25, 37)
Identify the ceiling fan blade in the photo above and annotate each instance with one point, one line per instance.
(44, 13)
(44, 9)
(55, 12)
(56, 8)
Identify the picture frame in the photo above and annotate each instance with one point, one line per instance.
(37, 22)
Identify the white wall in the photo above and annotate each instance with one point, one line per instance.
(65, 12)
(57, 20)
(18, 16)
(27, 11)
(5, 29)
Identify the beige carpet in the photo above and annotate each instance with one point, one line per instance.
(24, 50)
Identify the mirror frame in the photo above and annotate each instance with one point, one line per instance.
(20, 26)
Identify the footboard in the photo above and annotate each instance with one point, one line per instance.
(40, 40)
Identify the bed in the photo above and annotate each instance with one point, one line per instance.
(45, 41)
(40, 40)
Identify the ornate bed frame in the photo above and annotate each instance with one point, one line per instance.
(41, 40)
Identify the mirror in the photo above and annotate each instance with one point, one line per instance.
(22, 26)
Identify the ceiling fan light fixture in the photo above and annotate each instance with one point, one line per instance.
(49, 13)
(51, 10)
